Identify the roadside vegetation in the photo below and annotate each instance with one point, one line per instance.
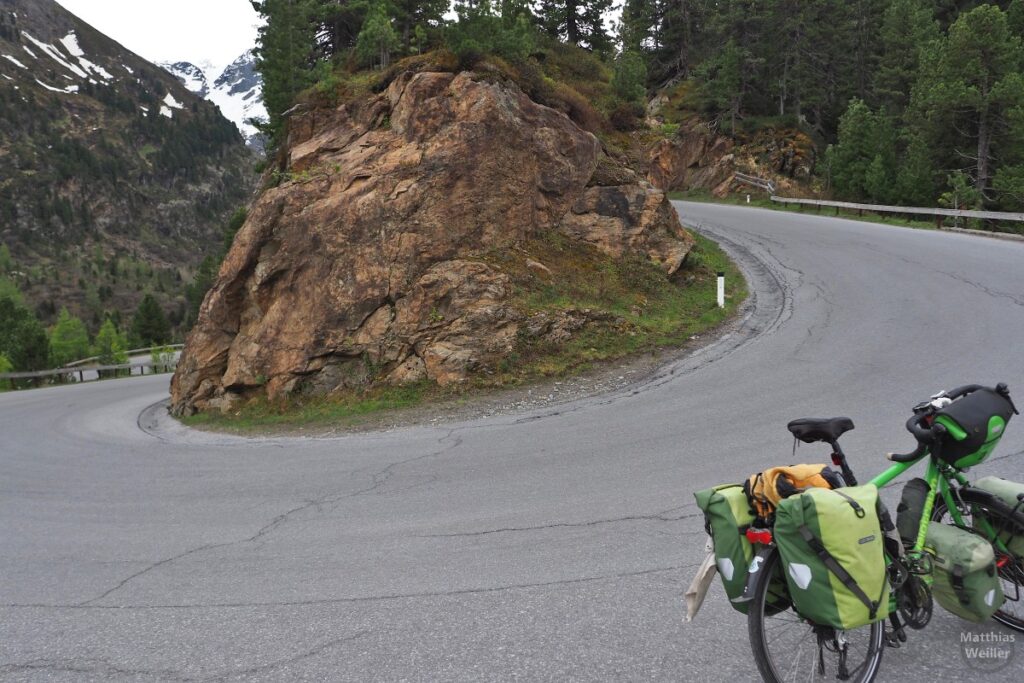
(27, 345)
(633, 307)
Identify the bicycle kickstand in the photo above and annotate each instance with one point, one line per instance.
(897, 635)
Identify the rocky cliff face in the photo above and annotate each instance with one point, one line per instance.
(694, 159)
(366, 263)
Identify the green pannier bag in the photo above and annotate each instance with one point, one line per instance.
(728, 515)
(831, 543)
(966, 582)
(1006, 491)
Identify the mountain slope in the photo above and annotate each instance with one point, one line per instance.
(117, 178)
(236, 90)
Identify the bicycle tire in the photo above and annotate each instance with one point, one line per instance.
(794, 657)
(1013, 572)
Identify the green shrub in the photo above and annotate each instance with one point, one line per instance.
(626, 117)
(5, 366)
(630, 76)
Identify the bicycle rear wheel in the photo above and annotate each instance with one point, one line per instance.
(789, 648)
(1011, 567)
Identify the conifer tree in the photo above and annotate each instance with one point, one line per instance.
(427, 15)
(285, 53)
(637, 24)
(22, 337)
(907, 27)
(579, 22)
(861, 164)
(968, 89)
(481, 30)
(338, 25)
(377, 39)
(629, 76)
(150, 326)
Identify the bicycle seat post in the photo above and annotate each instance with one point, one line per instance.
(839, 460)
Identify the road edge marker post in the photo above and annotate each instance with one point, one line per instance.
(721, 289)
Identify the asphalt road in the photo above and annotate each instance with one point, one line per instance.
(552, 545)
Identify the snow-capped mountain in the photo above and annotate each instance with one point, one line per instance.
(236, 90)
(191, 76)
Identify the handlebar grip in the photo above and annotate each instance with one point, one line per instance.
(922, 434)
(908, 457)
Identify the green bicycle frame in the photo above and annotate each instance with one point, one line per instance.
(938, 479)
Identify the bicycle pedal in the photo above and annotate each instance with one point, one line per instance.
(891, 640)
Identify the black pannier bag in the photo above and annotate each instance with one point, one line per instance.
(908, 512)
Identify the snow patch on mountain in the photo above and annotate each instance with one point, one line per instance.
(70, 90)
(236, 90)
(55, 54)
(84, 69)
(70, 43)
(171, 102)
(15, 61)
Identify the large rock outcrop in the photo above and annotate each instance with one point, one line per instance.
(365, 264)
(693, 159)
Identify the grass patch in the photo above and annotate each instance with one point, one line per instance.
(341, 410)
(765, 203)
(633, 308)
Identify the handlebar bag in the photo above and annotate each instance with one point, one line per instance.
(1008, 492)
(974, 425)
(832, 548)
(727, 516)
(966, 581)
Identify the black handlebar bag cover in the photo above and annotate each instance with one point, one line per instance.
(974, 425)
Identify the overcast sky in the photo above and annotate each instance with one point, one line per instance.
(214, 31)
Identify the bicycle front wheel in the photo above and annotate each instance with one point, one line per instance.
(789, 648)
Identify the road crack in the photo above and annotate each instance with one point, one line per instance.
(657, 517)
(379, 481)
(372, 598)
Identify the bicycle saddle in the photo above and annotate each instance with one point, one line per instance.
(827, 429)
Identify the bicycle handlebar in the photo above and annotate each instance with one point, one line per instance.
(908, 457)
(954, 394)
(927, 436)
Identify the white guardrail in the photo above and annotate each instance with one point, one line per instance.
(907, 210)
(766, 185)
(81, 371)
(939, 214)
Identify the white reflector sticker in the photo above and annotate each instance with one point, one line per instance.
(990, 597)
(725, 568)
(800, 573)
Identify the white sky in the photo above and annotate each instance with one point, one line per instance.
(213, 31)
